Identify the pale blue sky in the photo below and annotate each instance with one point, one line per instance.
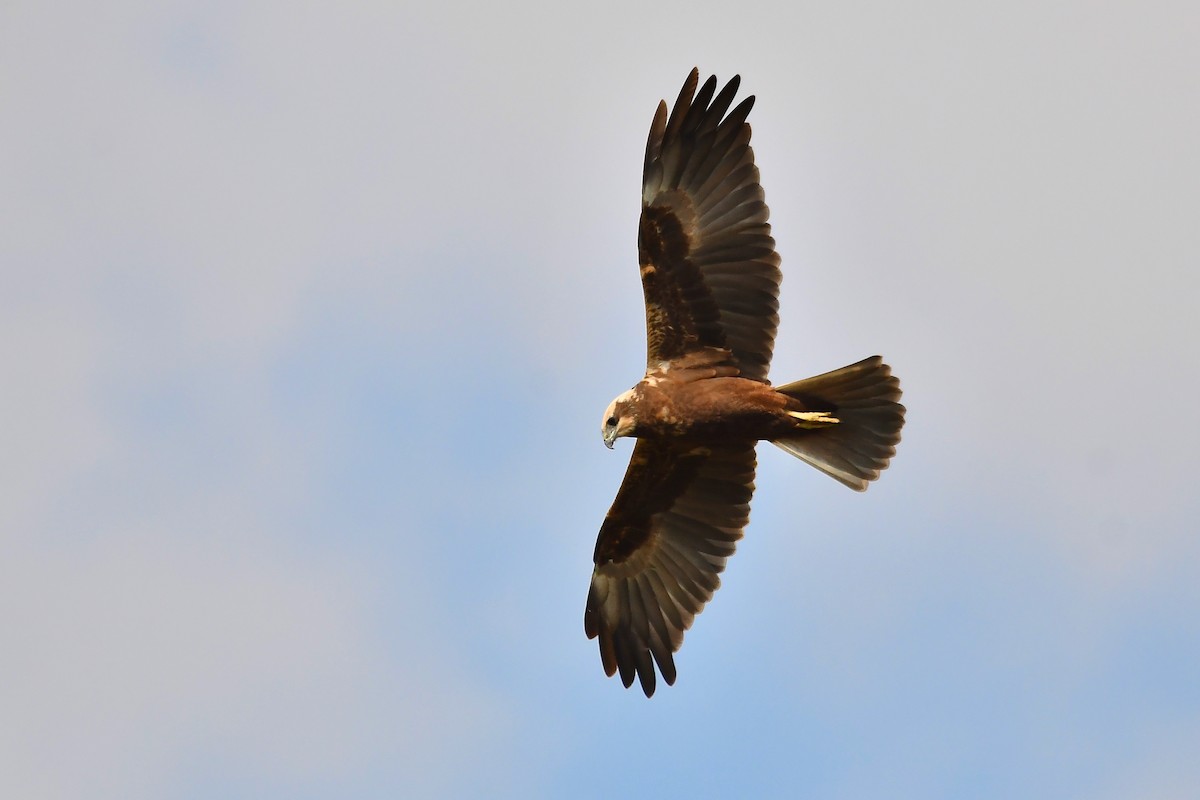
(308, 315)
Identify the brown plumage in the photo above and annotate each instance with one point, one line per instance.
(710, 275)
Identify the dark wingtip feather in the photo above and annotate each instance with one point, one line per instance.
(645, 671)
(682, 103)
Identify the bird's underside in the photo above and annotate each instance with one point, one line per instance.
(710, 276)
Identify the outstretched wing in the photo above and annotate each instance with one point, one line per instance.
(676, 519)
(710, 272)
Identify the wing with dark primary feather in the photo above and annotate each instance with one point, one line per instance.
(676, 519)
(710, 272)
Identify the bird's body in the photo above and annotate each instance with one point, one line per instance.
(695, 407)
(710, 275)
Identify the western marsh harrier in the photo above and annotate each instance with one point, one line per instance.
(710, 275)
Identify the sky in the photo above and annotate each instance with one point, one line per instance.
(309, 314)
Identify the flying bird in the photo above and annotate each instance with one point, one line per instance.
(710, 276)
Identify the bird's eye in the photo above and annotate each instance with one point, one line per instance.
(611, 422)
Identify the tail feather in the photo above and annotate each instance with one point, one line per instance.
(863, 397)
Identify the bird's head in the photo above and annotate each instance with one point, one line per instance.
(618, 419)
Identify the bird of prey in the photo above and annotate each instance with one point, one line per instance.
(710, 276)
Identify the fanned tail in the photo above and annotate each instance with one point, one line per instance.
(850, 422)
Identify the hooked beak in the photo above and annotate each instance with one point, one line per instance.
(609, 436)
